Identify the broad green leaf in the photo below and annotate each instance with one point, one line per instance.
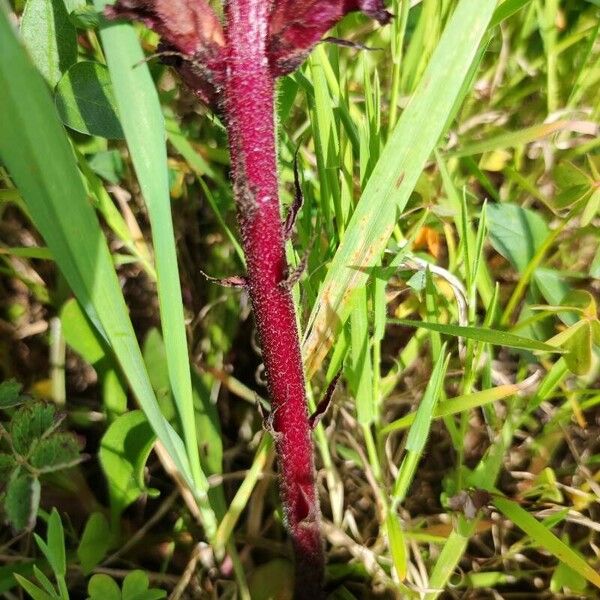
(570, 197)
(124, 450)
(272, 580)
(577, 341)
(85, 100)
(107, 164)
(10, 392)
(582, 301)
(554, 288)
(22, 501)
(103, 587)
(542, 536)
(144, 128)
(74, 5)
(135, 584)
(114, 392)
(394, 177)
(94, 543)
(545, 487)
(29, 423)
(567, 175)
(40, 160)
(80, 334)
(136, 587)
(482, 334)
(565, 579)
(155, 358)
(516, 232)
(58, 451)
(206, 416)
(50, 37)
(84, 16)
(7, 464)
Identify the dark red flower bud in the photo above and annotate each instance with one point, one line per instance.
(191, 27)
(295, 27)
(186, 27)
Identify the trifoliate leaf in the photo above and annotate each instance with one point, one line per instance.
(30, 423)
(22, 501)
(10, 393)
(58, 451)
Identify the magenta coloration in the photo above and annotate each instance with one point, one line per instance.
(249, 106)
(233, 69)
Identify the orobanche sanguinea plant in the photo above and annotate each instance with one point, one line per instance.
(232, 67)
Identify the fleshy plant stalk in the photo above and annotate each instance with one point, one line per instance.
(233, 68)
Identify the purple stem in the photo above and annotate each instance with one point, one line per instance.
(249, 95)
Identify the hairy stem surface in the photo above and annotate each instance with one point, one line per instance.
(249, 106)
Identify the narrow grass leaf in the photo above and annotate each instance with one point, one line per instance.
(542, 536)
(506, 10)
(453, 549)
(489, 336)
(144, 128)
(456, 405)
(240, 500)
(34, 147)
(360, 375)
(33, 590)
(395, 175)
(419, 431)
(28, 252)
(512, 139)
(396, 543)
(417, 436)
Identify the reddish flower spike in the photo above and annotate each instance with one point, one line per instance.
(234, 70)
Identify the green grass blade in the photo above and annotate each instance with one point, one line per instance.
(488, 336)
(396, 544)
(454, 547)
(419, 431)
(506, 10)
(456, 405)
(539, 533)
(395, 175)
(242, 496)
(144, 127)
(512, 139)
(36, 150)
